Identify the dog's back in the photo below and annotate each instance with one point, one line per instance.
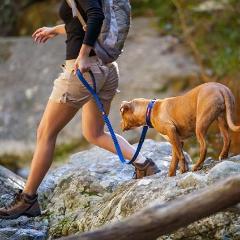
(200, 106)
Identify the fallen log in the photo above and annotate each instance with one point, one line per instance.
(158, 220)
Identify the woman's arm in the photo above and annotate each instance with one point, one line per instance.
(43, 34)
(60, 29)
(95, 17)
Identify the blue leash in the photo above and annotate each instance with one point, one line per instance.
(107, 121)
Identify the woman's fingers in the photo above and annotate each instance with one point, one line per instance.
(44, 39)
(38, 38)
(41, 35)
(37, 31)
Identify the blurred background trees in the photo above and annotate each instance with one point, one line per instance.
(21, 17)
(213, 26)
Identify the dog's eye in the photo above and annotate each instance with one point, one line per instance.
(126, 106)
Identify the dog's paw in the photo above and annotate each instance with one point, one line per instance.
(196, 168)
(222, 157)
(172, 174)
(183, 170)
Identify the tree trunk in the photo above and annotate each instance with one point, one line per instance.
(164, 219)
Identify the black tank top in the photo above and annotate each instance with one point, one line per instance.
(91, 11)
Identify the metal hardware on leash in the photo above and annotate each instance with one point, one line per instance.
(107, 121)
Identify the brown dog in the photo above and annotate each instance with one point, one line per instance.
(178, 118)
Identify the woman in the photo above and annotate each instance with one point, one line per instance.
(68, 96)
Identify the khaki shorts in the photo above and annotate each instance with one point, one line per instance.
(68, 88)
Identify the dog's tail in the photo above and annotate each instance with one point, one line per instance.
(229, 105)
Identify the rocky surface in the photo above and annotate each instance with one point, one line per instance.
(22, 228)
(27, 72)
(93, 189)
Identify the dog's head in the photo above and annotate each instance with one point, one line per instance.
(133, 114)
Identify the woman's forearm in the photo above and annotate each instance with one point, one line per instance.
(85, 50)
(59, 29)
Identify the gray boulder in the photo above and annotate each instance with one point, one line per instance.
(94, 189)
(223, 169)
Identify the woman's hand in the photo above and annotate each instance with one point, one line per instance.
(82, 63)
(43, 34)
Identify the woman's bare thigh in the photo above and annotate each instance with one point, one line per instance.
(56, 116)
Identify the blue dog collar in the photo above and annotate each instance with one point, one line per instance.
(148, 113)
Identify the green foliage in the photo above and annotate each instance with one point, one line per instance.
(164, 10)
(215, 31)
(37, 15)
(218, 39)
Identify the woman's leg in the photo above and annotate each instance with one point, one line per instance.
(93, 130)
(55, 117)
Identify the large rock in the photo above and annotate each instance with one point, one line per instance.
(94, 189)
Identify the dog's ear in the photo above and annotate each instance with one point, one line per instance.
(125, 107)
